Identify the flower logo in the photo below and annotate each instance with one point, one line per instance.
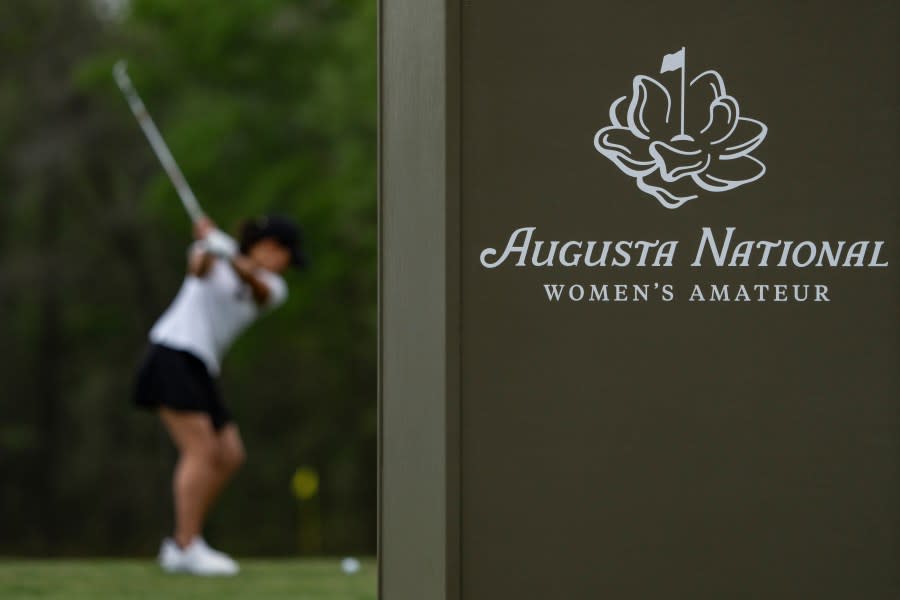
(672, 164)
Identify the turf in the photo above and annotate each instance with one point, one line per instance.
(103, 579)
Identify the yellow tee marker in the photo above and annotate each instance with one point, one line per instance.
(305, 483)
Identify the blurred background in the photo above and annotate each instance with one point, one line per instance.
(268, 106)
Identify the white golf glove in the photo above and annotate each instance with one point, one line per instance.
(221, 244)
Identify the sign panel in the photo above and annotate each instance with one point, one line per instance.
(679, 300)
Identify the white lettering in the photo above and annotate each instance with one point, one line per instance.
(709, 239)
(510, 248)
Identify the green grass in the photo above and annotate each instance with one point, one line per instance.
(103, 579)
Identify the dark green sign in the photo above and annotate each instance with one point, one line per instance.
(640, 300)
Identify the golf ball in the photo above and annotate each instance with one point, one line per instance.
(349, 565)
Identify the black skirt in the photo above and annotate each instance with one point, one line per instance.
(179, 380)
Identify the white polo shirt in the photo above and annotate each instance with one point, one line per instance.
(209, 312)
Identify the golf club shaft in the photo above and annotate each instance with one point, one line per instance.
(120, 74)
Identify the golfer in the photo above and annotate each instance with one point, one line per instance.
(227, 287)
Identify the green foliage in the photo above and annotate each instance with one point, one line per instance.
(268, 106)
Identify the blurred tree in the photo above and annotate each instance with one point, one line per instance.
(269, 106)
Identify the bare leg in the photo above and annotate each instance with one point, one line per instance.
(206, 460)
(230, 457)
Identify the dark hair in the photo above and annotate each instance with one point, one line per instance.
(281, 229)
(249, 233)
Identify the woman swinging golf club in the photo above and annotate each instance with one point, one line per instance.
(227, 286)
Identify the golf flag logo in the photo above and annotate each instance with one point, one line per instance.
(676, 152)
(673, 62)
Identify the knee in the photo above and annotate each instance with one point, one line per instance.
(205, 451)
(231, 457)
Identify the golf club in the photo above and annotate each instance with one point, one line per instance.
(120, 74)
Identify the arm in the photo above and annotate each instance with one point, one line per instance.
(199, 262)
(267, 289)
(245, 268)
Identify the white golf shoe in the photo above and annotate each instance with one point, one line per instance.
(169, 557)
(197, 559)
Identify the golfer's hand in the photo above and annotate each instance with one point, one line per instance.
(202, 227)
(220, 244)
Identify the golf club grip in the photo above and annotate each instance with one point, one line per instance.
(160, 148)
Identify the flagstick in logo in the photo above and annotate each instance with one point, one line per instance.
(674, 62)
